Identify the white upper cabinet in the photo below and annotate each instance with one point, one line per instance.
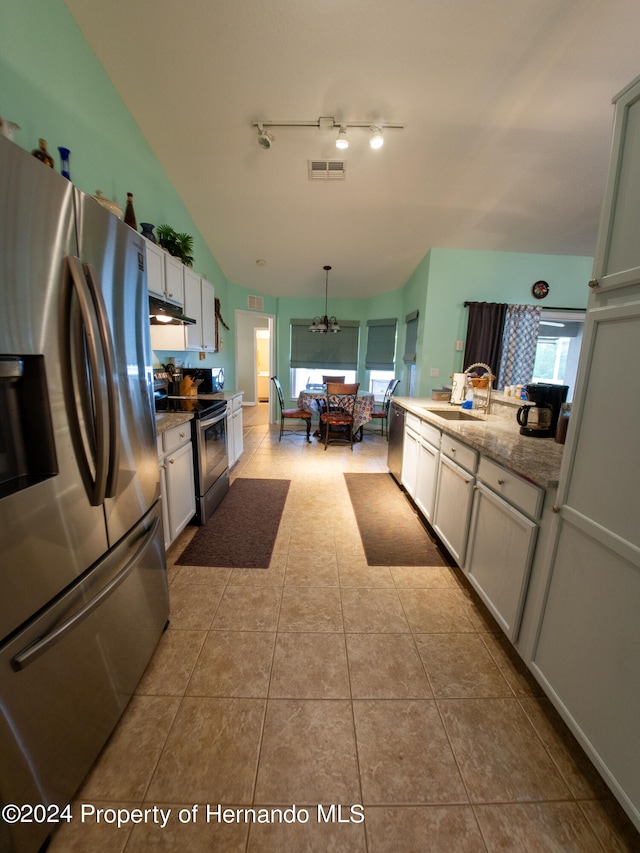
(617, 259)
(164, 274)
(199, 303)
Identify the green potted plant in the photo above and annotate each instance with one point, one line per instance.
(177, 244)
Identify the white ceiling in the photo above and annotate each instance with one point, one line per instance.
(507, 106)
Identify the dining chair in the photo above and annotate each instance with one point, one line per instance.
(337, 413)
(382, 414)
(326, 379)
(285, 414)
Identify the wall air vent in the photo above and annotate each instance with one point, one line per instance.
(256, 303)
(327, 170)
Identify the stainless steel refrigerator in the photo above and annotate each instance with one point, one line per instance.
(83, 591)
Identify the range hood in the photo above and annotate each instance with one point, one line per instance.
(162, 313)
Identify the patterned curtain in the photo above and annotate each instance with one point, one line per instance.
(519, 342)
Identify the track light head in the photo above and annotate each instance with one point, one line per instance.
(342, 142)
(376, 140)
(264, 137)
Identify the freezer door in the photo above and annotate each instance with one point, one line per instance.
(49, 533)
(66, 678)
(113, 260)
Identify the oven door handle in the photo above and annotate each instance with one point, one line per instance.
(215, 420)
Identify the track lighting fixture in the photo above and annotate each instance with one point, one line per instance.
(325, 324)
(376, 140)
(264, 137)
(342, 142)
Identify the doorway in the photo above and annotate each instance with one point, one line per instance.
(255, 337)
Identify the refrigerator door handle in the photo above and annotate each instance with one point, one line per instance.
(89, 332)
(23, 658)
(112, 387)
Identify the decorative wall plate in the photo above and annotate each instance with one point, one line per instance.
(540, 289)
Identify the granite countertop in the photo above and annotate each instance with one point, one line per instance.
(498, 438)
(220, 395)
(169, 420)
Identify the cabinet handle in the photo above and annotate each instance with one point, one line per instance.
(182, 435)
(555, 508)
(453, 450)
(171, 461)
(467, 482)
(594, 283)
(500, 481)
(163, 467)
(170, 295)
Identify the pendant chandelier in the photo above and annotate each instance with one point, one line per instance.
(325, 324)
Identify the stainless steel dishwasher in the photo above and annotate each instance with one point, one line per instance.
(396, 440)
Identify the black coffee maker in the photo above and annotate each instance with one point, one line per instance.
(541, 419)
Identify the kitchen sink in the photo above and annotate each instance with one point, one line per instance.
(453, 414)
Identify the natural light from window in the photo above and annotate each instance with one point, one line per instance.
(558, 348)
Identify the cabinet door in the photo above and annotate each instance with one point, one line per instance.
(617, 261)
(410, 461)
(208, 316)
(193, 309)
(453, 507)
(236, 430)
(499, 556)
(174, 279)
(181, 490)
(154, 257)
(428, 457)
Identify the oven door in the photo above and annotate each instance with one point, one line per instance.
(212, 450)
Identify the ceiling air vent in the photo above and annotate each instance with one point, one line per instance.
(256, 303)
(327, 170)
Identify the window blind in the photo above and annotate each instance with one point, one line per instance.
(381, 344)
(411, 341)
(328, 351)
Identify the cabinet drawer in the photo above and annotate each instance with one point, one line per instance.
(460, 453)
(525, 496)
(176, 436)
(412, 422)
(235, 403)
(430, 434)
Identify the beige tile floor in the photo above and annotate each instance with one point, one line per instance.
(324, 681)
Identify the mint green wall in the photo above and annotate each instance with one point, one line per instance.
(374, 307)
(446, 278)
(54, 87)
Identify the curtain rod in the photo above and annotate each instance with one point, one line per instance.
(544, 307)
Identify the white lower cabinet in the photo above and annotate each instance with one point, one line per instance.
(499, 555)
(176, 481)
(454, 496)
(235, 435)
(427, 478)
(410, 454)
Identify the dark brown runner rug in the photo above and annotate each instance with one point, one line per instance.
(242, 531)
(391, 533)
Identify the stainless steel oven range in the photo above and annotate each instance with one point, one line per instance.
(209, 437)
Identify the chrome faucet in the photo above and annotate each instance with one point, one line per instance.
(486, 406)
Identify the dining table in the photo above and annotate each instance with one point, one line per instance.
(308, 400)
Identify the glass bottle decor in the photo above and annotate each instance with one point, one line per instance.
(42, 154)
(64, 162)
(129, 213)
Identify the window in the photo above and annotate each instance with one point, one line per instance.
(301, 376)
(315, 354)
(378, 382)
(558, 348)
